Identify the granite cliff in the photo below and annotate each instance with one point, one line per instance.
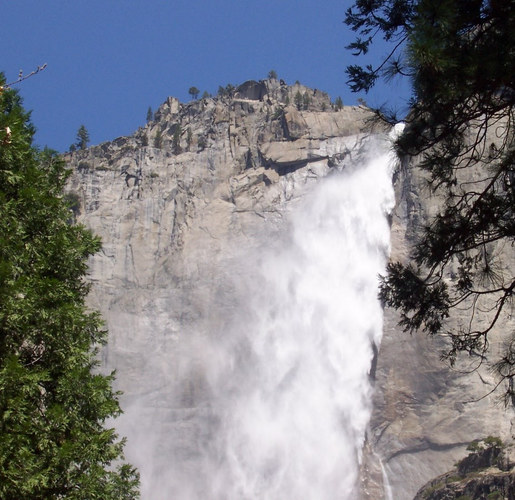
(185, 207)
(426, 413)
(485, 473)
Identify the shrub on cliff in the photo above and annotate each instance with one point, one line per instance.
(53, 407)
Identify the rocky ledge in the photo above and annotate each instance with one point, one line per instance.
(487, 473)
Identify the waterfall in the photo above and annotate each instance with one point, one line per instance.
(289, 378)
(296, 395)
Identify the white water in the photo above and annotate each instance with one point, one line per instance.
(289, 384)
(297, 401)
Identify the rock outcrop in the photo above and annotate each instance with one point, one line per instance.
(485, 474)
(184, 207)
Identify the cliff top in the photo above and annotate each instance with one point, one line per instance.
(265, 122)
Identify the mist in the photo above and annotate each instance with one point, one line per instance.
(285, 386)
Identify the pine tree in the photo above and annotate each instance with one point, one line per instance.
(459, 57)
(298, 100)
(306, 101)
(189, 137)
(158, 139)
(176, 140)
(82, 137)
(150, 114)
(53, 408)
(193, 92)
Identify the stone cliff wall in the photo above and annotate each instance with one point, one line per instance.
(182, 223)
(181, 226)
(170, 216)
(426, 413)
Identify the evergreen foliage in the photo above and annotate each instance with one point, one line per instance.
(150, 114)
(306, 101)
(176, 139)
(227, 91)
(53, 408)
(298, 100)
(272, 74)
(459, 57)
(158, 139)
(193, 92)
(82, 137)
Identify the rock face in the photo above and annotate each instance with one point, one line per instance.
(184, 207)
(484, 474)
(425, 413)
(183, 225)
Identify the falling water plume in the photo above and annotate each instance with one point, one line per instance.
(289, 378)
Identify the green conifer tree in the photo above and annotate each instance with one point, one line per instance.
(82, 137)
(193, 92)
(306, 101)
(158, 139)
(298, 100)
(176, 140)
(189, 137)
(53, 406)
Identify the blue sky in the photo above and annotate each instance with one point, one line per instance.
(109, 60)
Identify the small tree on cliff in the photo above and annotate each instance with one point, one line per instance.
(176, 139)
(158, 139)
(459, 57)
(53, 408)
(306, 101)
(193, 92)
(82, 137)
(298, 100)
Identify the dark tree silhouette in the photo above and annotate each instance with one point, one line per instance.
(82, 137)
(193, 92)
(459, 57)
